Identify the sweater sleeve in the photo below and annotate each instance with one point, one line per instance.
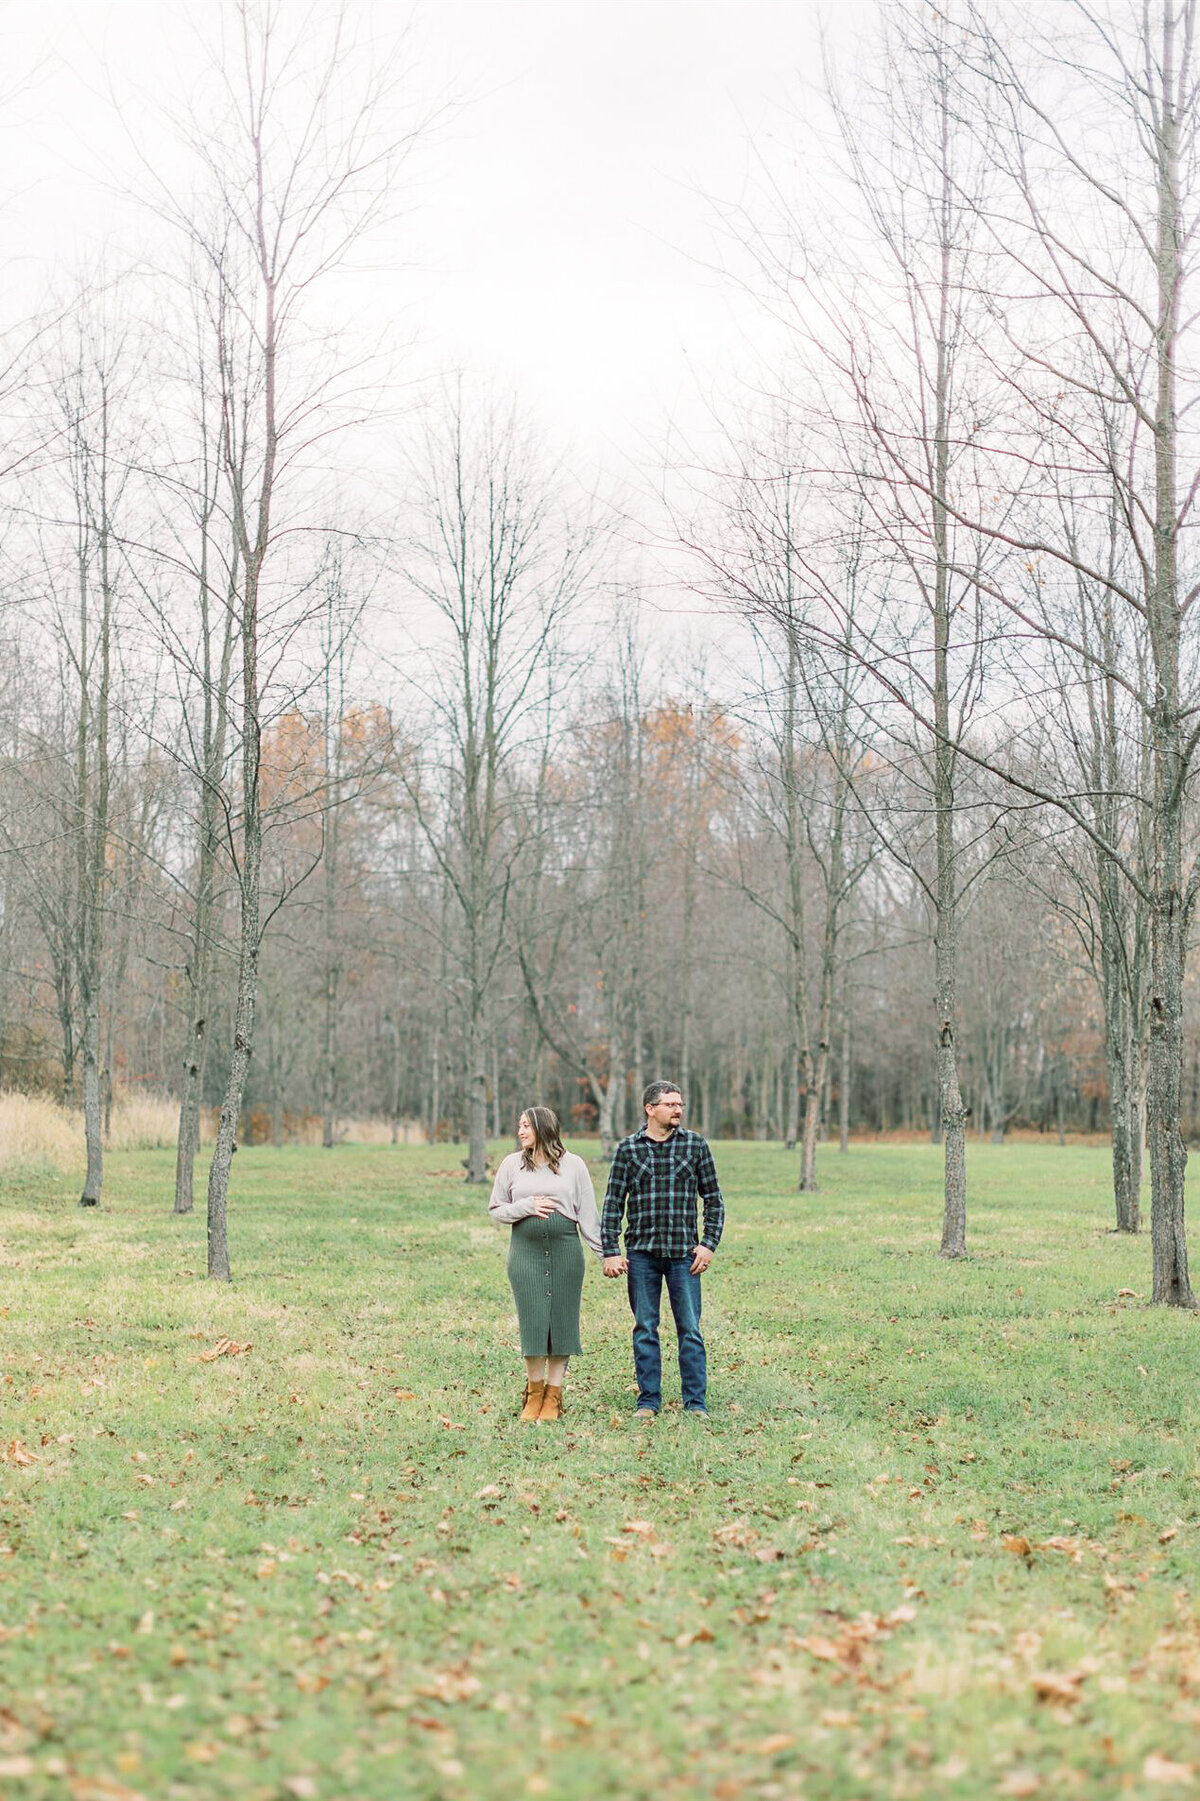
(585, 1208)
(502, 1208)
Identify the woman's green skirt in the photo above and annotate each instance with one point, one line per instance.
(545, 1268)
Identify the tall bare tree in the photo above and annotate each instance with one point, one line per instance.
(502, 559)
(298, 159)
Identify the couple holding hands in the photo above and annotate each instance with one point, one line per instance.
(545, 1193)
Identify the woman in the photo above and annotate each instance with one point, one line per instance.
(545, 1194)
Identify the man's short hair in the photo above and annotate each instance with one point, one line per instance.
(654, 1093)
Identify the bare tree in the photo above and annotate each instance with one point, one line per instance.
(1099, 232)
(501, 559)
(298, 161)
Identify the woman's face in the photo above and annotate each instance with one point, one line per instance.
(526, 1136)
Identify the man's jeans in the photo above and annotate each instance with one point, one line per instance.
(646, 1276)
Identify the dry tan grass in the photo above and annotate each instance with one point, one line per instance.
(356, 1131)
(36, 1130)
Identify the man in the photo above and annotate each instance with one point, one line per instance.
(655, 1178)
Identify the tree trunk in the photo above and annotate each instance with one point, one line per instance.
(844, 1087)
(1122, 1087)
(477, 1085)
(435, 1088)
(249, 895)
(1168, 926)
(791, 1097)
(92, 1121)
(606, 1101)
(200, 971)
(243, 1040)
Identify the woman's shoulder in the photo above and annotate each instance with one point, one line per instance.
(571, 1161)
(509, 1163)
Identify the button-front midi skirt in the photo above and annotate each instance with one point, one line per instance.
(545, 1268)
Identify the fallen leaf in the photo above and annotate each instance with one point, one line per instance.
(449, 1686)
(1164, 1769)
(1164, 1538)
(639, 1528)
(770, 1747)
(302, 1787)
(18, 1453)
(224, 1347)
(100, 1788)
(1051, 1685)
(702, 1636)
(403, 1394)
(202, 1750)
(1020, 1783)
(1013, 1541)
(16, 1766)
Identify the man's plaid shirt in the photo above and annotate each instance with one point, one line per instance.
(656, 1185)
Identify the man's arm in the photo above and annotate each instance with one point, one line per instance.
(709, 1190)
(614, 1211)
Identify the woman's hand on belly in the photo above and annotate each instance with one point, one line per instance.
(543, 1206)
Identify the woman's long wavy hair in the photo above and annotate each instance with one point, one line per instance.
(547, 1138)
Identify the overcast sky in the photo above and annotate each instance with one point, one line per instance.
(561, 238)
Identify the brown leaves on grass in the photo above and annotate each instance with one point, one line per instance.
(855, 1639)
(449, 1686)
(100, 1788)
(1073, 1548)
(766, 1747)
(1062, 1686)
(224, 1347)
(1164, 1769)
(1020, 1784)
(16, 1452)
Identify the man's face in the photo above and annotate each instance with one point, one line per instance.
(667, 1111)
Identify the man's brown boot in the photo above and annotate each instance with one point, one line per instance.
(552, 1405)
(532, 1409)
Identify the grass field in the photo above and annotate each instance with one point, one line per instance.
(939, 1537)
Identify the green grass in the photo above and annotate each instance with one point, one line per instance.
(336, 1566)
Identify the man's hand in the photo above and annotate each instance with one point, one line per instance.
(701, 1258)
(615, 1266)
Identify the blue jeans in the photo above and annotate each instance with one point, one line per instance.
(646, 1276)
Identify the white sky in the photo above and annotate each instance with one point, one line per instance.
(560, 240)
(560, 235)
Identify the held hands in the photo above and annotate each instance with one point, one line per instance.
(615, 1266)
(701, 1258)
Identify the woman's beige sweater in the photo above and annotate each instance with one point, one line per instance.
(516, 1190)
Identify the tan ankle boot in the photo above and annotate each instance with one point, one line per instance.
(552, 1404)
(532, 1409)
